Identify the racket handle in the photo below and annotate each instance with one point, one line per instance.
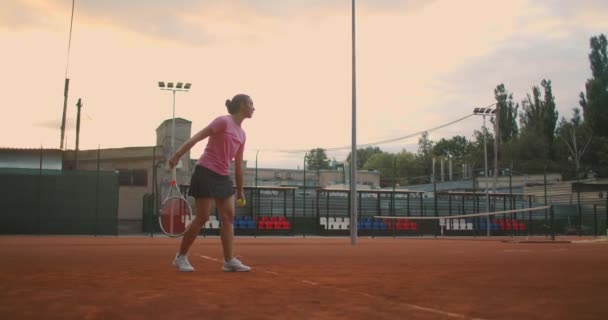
(174, 176)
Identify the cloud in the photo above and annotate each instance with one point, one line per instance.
(521, 63)
(22, 15)
(193, 22)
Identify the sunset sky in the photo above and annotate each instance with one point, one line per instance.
(420, 64)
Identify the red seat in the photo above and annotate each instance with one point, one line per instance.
(413, 226)
(277, 225)
(286, 225)
(264, 218)
(281, 218)
(269, 225)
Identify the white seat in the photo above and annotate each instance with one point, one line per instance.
(323, 221)
(331, 220)
(455, 224)
(442, 222)
(346, 220)
(215, 224)
(338, 219)
(469, 225)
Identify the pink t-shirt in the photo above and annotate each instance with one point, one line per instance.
(227, 139)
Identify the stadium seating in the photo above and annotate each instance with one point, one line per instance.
(273, 223)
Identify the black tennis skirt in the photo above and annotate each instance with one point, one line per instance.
(206, 183)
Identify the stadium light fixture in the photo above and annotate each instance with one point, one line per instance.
(169, 87)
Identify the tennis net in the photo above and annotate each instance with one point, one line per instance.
(528, 221)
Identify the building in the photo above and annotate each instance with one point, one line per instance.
(142, 168)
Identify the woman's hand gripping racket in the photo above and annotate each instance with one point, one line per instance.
(175, 214)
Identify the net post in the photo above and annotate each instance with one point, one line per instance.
(552, 223)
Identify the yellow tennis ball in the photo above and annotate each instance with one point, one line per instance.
(241, 202)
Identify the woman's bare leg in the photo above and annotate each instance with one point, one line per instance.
(203, 207)
(226, 210)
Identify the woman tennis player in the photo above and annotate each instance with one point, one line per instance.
(211, 182)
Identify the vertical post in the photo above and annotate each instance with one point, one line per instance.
(97, 192)
(353, 156)
(304, 195)
(66, 88)
(530, 214)
(394, 186)
(318, 210)
(595, 220)
(485, 175)
(79, 106)
(552, 224)
(580, 213)
(435, 194)
(408, 204)
(511, 180)
(39, 189)
(173, 126)
(496, 144)
(293, 212)
(545, 188)
(154, 189)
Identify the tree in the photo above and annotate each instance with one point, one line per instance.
(425, 145)
(507, 114)
(455, 148)
(595, 102)
(363, 155)
(316, 159)
(576, 137)
(539, 117)
(383, 163)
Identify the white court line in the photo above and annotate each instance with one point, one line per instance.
(209, 258)
(272, 272)
(409, 305)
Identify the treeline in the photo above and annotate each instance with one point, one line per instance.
(530, 136)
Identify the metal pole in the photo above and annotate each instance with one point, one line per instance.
(66, 88)
(255, 183)
(496, 137)
(304, 185)
(485, 175)
(79, 106)
(552, 224)
(173, 126)
(353, 157)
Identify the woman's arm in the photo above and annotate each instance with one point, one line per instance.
(238, 173)
(186, 146)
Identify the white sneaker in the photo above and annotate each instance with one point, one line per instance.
(182, 264)
(235, 265)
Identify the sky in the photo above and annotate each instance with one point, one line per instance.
(420, 64)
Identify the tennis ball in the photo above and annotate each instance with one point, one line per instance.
(241, 202)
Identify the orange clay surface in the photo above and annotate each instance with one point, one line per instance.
(302, 278)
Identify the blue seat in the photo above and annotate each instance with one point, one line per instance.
(379, 225)
(250, 224)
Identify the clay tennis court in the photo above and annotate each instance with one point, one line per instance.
(303, 278)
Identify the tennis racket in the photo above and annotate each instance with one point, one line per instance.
(175, 212)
